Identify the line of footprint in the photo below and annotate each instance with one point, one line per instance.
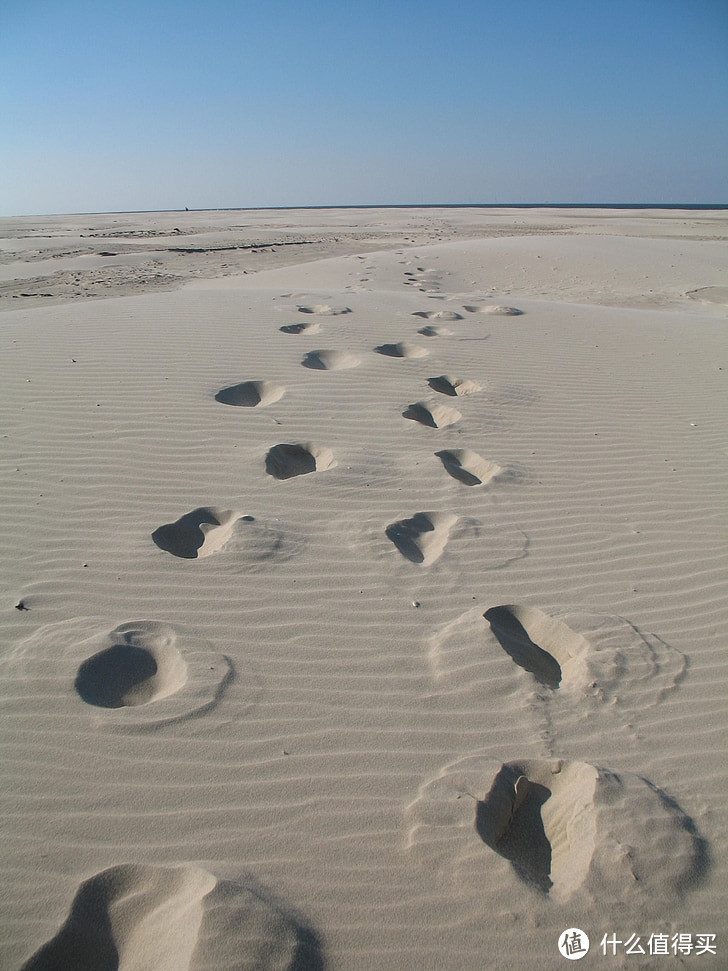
(564, 826)
(541, 815)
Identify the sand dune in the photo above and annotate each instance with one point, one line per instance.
(428, 710)
(137, 916)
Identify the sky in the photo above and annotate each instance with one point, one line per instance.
(128, 105)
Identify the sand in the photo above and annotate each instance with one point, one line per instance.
(364, 588)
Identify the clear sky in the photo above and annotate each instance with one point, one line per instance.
(116, 105)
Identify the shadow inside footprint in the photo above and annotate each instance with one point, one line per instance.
(308, 327)
(520, 837)
(515, 641)
(407, 536)
(250, 394)
(141, 665)
(197, 533)
(286, 461)
(116, 677)
(423, 538)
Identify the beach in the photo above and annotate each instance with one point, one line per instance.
(450, 676)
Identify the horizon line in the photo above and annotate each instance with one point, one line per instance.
(425, 205)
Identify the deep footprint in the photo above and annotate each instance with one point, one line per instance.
(569, 827)
(286, 461)
(323, 310)
(493, 309)
(198, 533)
(330, 360)
(544, 646)
(433, 330)
(402, 349)
(138, 669)
(438, 314)
(251, 394)
(455, 387)
(432, 415)
(309, 327)
(423, 538)
(468, 467)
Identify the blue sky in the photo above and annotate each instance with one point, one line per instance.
(162, 104)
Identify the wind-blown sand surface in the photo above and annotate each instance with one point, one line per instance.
(364, 592)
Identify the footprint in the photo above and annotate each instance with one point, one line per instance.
(438, 314)
(588, 662)
(468, 467)
(402, 349)
(330, 360)
(423, 538)
(143, 665)
(433, 330)
(432, 415)
(148, 663)
(494, 309)
(455, 387)
(198, 533)
(286, 461)
(569, 827)
(545, 647)
(138, 917)
(570, 830)
(323, 310)
(141, 675)
(251, 394)
(307, 327)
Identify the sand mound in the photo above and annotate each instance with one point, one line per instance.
(327, 360)
(307, 327)
(455, 387)
(423, 538)
(137, 917)
(402, 349)
(286, 461)
(251, 394)
(198, 533)
(495, 309)
(432, 415)
(467, 466)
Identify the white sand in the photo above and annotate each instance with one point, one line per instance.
(253, 712)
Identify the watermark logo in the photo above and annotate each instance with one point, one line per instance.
(573, 944)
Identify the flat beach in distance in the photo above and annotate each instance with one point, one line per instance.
(450, 677)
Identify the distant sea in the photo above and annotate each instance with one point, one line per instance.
(517, 205)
